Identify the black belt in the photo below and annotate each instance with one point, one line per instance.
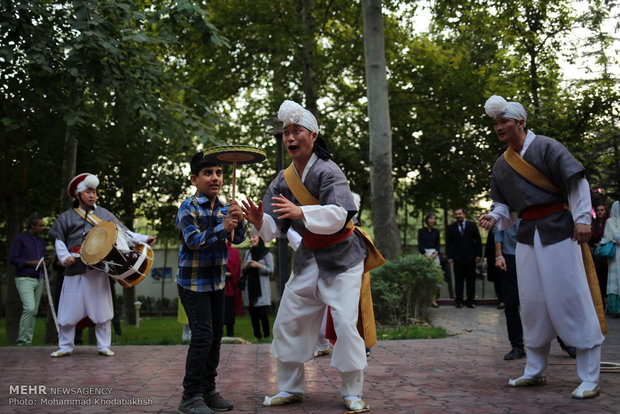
(31, 276)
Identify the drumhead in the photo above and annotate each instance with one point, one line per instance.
(98, 242)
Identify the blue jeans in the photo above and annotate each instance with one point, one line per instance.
(205, 313)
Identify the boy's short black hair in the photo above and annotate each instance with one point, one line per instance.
(198, 162)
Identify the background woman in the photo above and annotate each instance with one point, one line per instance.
(600, 263)
(429, 244)
(612, 232)
(257, 268)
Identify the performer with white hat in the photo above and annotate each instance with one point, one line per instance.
(537, 179)
(85, 291)
(329, 263)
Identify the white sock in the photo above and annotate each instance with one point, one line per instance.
(282, 394)
(352, 398)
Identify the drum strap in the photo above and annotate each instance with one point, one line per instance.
(92, 219)
(136, 266)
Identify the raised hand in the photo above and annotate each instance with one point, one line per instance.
(287, 209)
(253, 213)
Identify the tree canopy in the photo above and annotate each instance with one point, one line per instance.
(134, 87)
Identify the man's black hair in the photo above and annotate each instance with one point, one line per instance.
(33, 221)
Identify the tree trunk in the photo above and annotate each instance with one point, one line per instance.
(381, 185)
(13, 305)
(308, 52)
(14, 184)
(68, 172)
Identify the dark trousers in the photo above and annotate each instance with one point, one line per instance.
(510, 289)
(229, 319)
(205, 313)
(259, 316)
(499, 291)
(465, 274)
(600, 264)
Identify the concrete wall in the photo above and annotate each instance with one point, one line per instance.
(152, 283)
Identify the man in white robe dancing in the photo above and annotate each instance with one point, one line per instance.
(328, 264)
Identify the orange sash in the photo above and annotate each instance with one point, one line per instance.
(537, 178)
(366, 316)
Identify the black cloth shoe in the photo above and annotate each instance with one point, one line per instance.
(517, 352)
(215, 401)
(570, 350)
(471, 305)
(194, 405)
(459, 305)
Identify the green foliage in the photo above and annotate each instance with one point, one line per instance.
(404, 288)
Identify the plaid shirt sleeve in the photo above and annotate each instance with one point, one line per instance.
(203, 253)
(194, 235)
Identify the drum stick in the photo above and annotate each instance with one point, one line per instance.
(234, 179)
(50, 298)
(232, 233)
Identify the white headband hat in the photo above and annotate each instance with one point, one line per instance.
(498, 107)
(292, 113)
(91, 181)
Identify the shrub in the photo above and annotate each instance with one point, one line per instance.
(404, 288)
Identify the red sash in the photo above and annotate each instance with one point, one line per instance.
(320, 241)
(542, 211)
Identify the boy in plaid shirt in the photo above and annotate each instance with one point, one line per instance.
(204, 224)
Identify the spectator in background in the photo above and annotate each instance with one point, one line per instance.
(463, 248)
(231, 290)
(612, 233)
(258, 268)
(494, 274)
(429, 243)
(600, 263)
(26, 251)
(505, 261)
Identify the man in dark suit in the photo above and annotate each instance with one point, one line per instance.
(464, 250)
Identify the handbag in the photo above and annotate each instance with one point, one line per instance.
(241, 283)
(605, 250)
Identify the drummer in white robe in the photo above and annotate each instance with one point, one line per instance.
(85, 291)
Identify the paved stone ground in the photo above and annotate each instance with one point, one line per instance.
(464, 373)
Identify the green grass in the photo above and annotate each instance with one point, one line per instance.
(152, 331)
(413, 332)
(167, 331)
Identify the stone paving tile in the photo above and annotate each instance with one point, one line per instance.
(464, 373)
